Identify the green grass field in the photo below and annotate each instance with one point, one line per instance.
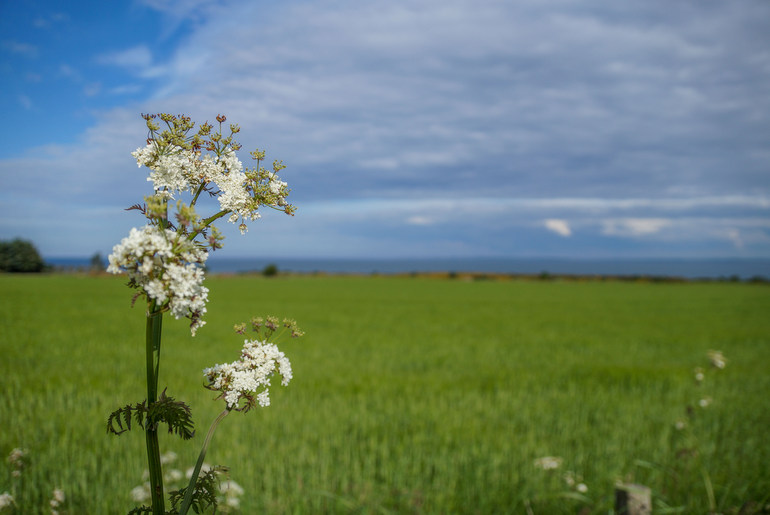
(410, 395)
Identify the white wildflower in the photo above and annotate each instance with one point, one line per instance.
(176, 170)
(240, 379)
(16, 459)
(167, 268)
(168, 457)
(172, 476)
(141, 493)
(145, 156)
(205, 467)
(699, 375)
(57, 499)
(58, 496)
(717, 359)
(548, 462)
(680, 425)
(582, 488)
(705, 402)
(231, 161)
(231, 488)
(6, 501)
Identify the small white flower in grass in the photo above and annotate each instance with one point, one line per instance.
(249, 375)
(58, 495)
(717, 359)
(168, 457)
(548, 462)
(582, 488)
(699, 375)
(141, 493)
(680, 425)
(57, 499)
(705, 402)
(204, 468)
(172, 476)
(6, 501)
(230, 488)
(17, 459)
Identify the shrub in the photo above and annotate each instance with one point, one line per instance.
(20, 256)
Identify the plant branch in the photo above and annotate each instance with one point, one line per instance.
(188, 495)
(206, 222)
(153, 333)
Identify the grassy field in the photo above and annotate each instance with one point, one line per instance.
(410, 395)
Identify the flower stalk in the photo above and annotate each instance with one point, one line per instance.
(153, 337)
(188, 495)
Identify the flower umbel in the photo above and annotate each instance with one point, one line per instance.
(717, 359)
(166, 268)
(18, 460)
(6, 501)
(548, 462)
(250, 375)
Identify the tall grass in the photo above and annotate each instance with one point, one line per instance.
(409, 395)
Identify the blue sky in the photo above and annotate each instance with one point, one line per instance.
(420, 128)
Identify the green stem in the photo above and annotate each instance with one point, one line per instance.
(194, 479)
(197, 194)
(206, 222)
(153, 332)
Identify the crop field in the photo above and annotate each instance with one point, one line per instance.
(410, 395)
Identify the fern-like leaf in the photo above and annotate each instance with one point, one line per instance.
(204, 494)
(175, 414)
(122, 417)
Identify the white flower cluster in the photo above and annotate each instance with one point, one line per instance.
(548, 462)
(232, 492)
(575, 482)
(240, 379)
(6, 501)
(180, 170)
(167, 268)
(18, 460)
(57, 500)
(172, 171)
(717, 359)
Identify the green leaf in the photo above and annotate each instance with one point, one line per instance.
(175, 414)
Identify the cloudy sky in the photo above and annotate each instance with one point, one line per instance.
(410, 128)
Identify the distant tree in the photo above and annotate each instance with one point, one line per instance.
(20, 256)
(270, 270)
(97, 262)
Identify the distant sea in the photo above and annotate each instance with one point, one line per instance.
(683, 268)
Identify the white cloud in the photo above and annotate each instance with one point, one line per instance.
(25, 101)
(734, 235)
(69, 72)
(22, 49)
(560, 227)
(136, 58)
(419, 220)
(43, 22)
(634, 226)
